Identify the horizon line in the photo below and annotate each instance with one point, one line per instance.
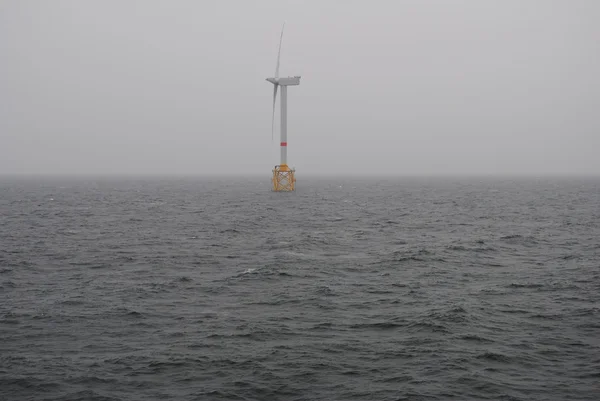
(306, 175)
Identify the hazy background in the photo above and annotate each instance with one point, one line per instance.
(394, 87)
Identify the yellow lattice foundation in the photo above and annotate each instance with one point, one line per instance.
(283, 179)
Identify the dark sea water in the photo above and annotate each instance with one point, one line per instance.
(348, 289)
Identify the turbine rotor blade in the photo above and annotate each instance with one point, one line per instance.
(273, 119)
(279, 52)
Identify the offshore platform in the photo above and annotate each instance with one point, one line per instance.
(284, 178)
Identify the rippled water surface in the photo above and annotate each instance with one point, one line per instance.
(348, 289)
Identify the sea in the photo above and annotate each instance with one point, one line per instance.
(216, 288)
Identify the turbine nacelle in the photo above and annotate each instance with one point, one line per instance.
(288, 81)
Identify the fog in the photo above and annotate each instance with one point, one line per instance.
(388, 87)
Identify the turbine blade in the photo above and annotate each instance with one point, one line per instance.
(273, 119)
(279, 52)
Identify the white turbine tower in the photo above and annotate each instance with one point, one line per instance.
(283, 176)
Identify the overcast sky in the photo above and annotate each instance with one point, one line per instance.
(388, 87)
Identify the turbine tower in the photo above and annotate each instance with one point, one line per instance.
(283, 177)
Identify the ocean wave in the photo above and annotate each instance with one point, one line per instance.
(376, 326)
(494, 356)
(475, 338)
(525, 285)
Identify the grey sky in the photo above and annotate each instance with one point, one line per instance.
(394, 87)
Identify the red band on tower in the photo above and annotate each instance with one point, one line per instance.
(283, 143)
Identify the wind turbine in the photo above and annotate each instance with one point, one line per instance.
(283, 176)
